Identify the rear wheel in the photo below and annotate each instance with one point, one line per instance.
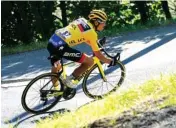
(95, 87)
(39, 95)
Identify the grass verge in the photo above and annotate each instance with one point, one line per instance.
(115, 31)
(23, 48)
(115, 104)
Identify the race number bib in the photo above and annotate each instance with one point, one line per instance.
(63, 33)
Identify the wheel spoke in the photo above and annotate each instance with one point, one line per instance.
(34, 101)
(107, 86)
(114, 76)
(110, 84)
(31, 98)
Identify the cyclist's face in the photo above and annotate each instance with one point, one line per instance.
(101, 26)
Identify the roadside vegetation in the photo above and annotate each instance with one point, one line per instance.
(28, 25)
(151, 96)
(115, 31)
(23, 48)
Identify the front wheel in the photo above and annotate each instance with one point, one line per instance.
(95, 87)
(39, 95)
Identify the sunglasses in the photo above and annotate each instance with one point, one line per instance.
(101, 22)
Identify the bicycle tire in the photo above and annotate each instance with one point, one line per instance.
(85, 83)
(31, 83)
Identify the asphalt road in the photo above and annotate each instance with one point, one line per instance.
(146, 54)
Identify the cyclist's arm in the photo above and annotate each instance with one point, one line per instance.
(101, 57)
(96, 49)
(98, 53)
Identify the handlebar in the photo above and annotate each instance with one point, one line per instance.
(117, 56)
(101, 42)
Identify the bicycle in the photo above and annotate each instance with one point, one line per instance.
(95, 75)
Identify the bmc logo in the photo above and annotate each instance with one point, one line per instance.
(72, 54)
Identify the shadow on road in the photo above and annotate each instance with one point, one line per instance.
(42, 116)
(135, 56)
(150, 48)
(126, 61)
(28, 67)
(35, 118)
(23, 63)
(25, 114)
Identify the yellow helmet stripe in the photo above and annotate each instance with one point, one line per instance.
(100, 12)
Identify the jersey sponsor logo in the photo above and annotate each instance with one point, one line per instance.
(79, 40)
(82, 25)
(63, 33)
(72, 54)
(61, 48)
(72, 42)
(56, 40)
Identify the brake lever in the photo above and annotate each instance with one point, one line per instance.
(112, 57)
(117, 56)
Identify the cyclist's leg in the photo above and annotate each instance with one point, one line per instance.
(55, 62)
(73, 55)
(85, 64)
(56, 66)
(55, 47)
(77, 56)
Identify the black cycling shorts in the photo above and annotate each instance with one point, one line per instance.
(66, 52)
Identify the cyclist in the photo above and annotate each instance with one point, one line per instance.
(77, 32)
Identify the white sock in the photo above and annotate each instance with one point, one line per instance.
(70, 78)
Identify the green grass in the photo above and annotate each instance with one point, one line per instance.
(115, 31)
(23, 48)
(116, 103)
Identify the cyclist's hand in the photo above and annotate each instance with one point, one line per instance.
(112, 63)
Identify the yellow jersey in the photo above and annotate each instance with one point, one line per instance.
(79, 31)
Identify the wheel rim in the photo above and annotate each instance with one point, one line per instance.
(35, 100)
(97, 88)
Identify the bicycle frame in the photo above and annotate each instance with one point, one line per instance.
(48, 92)
(96, 61)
